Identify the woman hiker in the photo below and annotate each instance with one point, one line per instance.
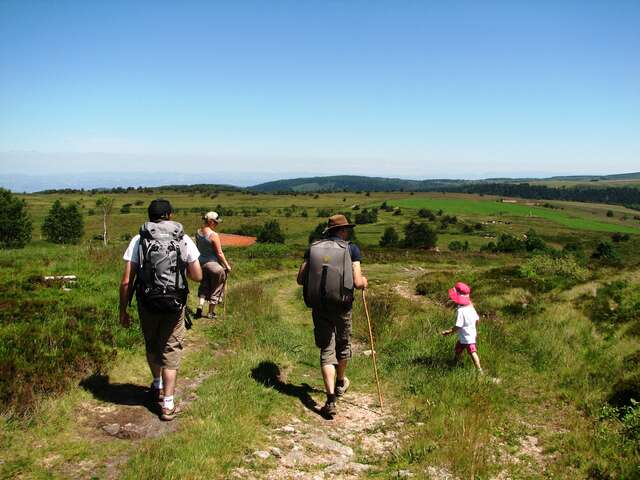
(215, 266)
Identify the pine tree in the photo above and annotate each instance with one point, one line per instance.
(63, 224)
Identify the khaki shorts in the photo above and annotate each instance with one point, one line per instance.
(164, 335)
(332, 332)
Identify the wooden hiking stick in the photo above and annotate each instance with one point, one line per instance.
(373, 348)
(224, 301)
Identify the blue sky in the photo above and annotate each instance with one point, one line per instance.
(409, 89)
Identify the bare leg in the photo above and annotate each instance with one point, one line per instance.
(201, 302)
(169, 377)
(212, 307)
(476, 360)
(342, 367)
(329, 377)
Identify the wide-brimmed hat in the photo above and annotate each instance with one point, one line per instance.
(337, 221)
(460, 293)
(212, 216)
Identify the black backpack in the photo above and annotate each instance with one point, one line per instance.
(161, 280)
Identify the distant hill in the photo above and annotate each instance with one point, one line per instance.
(353, 183)
(621, 195)
(381, 184)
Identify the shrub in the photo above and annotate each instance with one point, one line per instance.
(126, 208)
(247, 230)
(534, 243)
(458, 246)
(63, 224)
(606, 253)
(509, 243)
(324, 212)
(367, 216)
(616, 302)
(389, 238)
(620, 237)
(547, 266)
(271, 233)
(397, 212)
(426, 213)
(139, 202)
(609, 213)
(267, 250)
(419, 235)
(15, 223)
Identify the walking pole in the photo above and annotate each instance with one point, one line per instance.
(224, 298)
(373, 348)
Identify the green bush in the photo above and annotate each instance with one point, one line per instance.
(458, 246)
(419, 235)
(15, 223)
(63, 224)
(606, 253)
(545, 266)
(389, 238)
(367, 216)
(615, 303)
(267, 250)
(271, 233)
(426, 213)
(317, 233)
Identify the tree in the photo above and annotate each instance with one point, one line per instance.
(389, 238)
(63, 224)
(606, 253)
(15, 223)
(105, 204)
(271, 233)
(419, 235)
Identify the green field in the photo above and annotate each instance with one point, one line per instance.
(558, 342)
(474, 207)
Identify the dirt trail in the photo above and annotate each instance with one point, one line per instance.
(307, 446)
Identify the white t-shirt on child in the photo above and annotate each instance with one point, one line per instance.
(466, 319)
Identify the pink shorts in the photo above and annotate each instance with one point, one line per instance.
(469, 347)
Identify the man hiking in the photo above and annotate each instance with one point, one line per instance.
(329, 273)
(158, 261)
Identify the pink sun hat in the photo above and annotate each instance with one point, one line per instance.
(460, 293)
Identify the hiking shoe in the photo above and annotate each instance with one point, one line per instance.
(329, 410)
(211, 316)
(169, 414)
(341, 390)
(198, 313)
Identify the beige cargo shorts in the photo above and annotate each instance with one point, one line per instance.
(332, 332)
(164, 335)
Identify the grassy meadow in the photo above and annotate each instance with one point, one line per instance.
(558, 338)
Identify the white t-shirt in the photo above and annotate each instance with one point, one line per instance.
(132, 254)
(466, 319)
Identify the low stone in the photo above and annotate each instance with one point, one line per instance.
(347, 467)
(275, 451)
(323, 442)
(261, 454)
(288, 429)
(111, 428)
(405, 474)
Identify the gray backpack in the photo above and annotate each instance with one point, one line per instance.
(161, 280)
(329, 276)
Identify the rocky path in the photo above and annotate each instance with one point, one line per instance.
(307, 446)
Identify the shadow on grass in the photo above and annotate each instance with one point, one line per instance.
(119, 393)
(268, 374)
